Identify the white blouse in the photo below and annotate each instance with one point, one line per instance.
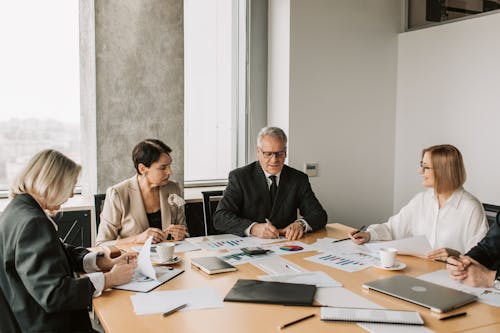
(459, 224)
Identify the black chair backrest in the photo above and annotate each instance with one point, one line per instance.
(492, 213)
(210, 201)
(98, 204)
(8, 323)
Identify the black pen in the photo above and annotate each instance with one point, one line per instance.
(445, 262)
(343, 239)
(296, 321)
(453, 316)
(182, 306)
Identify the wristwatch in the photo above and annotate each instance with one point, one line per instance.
(496, 284)
(303, 224)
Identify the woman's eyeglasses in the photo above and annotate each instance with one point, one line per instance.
(424, 167)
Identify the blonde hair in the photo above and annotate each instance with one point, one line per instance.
(49, 177)
(448, 167)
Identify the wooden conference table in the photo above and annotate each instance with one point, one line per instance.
(116, 314)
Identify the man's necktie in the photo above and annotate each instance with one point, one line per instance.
(273, 189)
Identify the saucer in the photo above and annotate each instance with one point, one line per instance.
(396, 267)
(158, 261)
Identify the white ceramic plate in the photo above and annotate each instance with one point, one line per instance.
(396, 267)
(156, 260)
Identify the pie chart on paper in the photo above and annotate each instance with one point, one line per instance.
(291, 248)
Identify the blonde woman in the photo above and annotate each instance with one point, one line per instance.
(37, 272)
(452, 219)
(148, 204)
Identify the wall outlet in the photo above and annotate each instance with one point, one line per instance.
(311, 169)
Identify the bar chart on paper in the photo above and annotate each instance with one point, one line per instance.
(222, 242)
(349, 262)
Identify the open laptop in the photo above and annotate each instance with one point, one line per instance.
(432, 296)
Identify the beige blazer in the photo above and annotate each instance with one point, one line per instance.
(123, 214)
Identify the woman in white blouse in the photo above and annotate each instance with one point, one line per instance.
(452, 219)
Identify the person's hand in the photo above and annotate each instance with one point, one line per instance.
(457, 267)
(119, 274)
(475, 275)
(359, 237)
(158, 235)
(442, 253)
(177, 231)
(264, 230)
(293, 231)
(105, 263)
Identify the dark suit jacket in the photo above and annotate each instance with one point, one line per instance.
(487, 251)
(37, 272)
(247, 200)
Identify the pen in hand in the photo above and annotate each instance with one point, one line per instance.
(343, 239)
(296, 321)
(269, 222)
(182, 306)
(445, 262)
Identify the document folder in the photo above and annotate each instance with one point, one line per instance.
(255, 291)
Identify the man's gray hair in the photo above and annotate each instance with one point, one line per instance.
(274, 132)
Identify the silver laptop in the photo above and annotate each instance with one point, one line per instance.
(432, 296)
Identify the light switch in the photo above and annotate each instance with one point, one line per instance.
(311, 169)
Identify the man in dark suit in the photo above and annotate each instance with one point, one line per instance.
(263, 198)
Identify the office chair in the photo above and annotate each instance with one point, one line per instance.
(210, 201)
(98, 204)
(492, 213)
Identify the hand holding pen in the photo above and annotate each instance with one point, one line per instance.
(351, 234)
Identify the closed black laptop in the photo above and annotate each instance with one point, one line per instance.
(255, 291)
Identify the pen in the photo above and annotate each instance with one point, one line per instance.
(445, 262)
(182, 306)
(296, 321)
(343, 239)
(453, 316)
(268, 221)
(128, 259)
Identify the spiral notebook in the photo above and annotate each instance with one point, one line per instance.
(371, 315)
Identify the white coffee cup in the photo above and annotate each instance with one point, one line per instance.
(165, 251)
(387, 256)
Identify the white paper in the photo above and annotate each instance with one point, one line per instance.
(342, 297)
(144, 284)
(276, 265)
(328, 245)
(489, 296)
(162, 301)
(292, 247)
(185, 246)
(394, 328)
(349, 262)
(319, 279)
(222, 242)
(144, 265)
(417, 246)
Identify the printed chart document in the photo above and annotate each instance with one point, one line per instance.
(489, 296)
(319, 279)
(371, 315)
(276, 265)
(292, 247)
(222, 242)
(238, 257)
(327, 245)
(417, 246)
(349, 262)
(162, 301)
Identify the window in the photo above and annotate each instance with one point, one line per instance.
(212, 39)
(39, 85)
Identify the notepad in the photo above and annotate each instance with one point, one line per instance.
(212, 265)
(371, 315)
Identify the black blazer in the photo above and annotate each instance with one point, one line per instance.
(487, 251)
(247, 199)
(37, 272)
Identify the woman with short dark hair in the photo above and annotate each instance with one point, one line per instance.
(148, 204)
(452, 219)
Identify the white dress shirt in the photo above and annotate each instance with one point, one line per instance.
(459, 224)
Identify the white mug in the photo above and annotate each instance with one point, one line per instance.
(165, 251)
(387, 256)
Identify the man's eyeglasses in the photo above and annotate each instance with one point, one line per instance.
(269, 154)
(423, 167)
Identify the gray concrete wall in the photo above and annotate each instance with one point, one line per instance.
(139, 61)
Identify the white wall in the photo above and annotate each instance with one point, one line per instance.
(342, 94)
(449, 92)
